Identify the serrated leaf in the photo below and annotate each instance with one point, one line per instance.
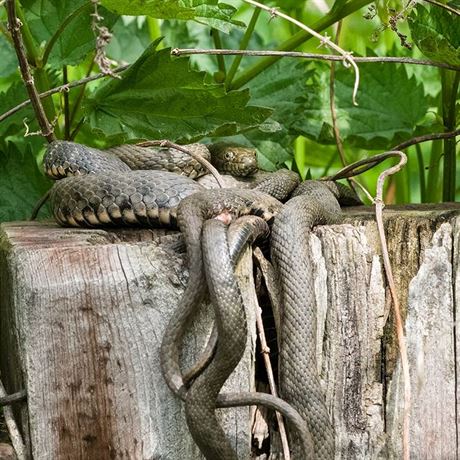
(129, 40)
(283, 88)
(159, 97)
(390, 106)
(9, 62)
(436, 33)
(211, 12)
(14, 124)
(73, 17)
(21, 182)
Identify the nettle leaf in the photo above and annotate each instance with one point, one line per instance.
(70, 22)
(211, 12)
(391, 104)
(21, 182)
(9, 62)
(160, 97)
(14, 124)
(282, 87)
(130, 38)
(436, 33)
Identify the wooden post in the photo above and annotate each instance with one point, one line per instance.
(82, 314)
(82, 317)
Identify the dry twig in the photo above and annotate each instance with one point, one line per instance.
(426, 138)
(338, 139)
(266, 355)
(59, 89)
(379, 205)
(443, 5)
(15, 435)
(14, 26)
(195, 156)
(103, 37)
(313, 56)
(324, 40)
(12, 398)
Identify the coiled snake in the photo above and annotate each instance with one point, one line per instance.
(100, 189)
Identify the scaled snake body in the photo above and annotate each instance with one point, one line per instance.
(105, 192)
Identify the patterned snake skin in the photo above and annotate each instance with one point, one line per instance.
(103, 190)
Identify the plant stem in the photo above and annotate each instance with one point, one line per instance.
(27, 39)
(154, 30)
(450, 82)
(421, 173)
(34, 59)
(243, 45)
(299, 38)
(433, 189)
(65, 81)
(300, 155)
(62, 26)
(15, 29)
(77, 102)
(218, 44)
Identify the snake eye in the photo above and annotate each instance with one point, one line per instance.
(229, 155)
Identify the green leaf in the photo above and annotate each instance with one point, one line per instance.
(130, 38)
(9, 62)
(211, 12)
(391, 104)
(436, 33)
(14, 124)
(69, 22)
(21, 182)
(281, 87)
(159, 97)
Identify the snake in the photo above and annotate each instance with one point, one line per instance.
(312, 203)
(103, 188)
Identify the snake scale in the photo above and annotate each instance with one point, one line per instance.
(108, 188)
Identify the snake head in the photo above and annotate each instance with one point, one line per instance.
(236, 160)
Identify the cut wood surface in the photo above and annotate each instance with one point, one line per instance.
(82, 313)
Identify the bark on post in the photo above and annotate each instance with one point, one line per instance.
(82, 314)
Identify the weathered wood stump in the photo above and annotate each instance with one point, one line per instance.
(82, 314)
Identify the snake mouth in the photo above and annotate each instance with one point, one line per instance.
(248, 166)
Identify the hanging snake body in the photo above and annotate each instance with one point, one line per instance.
(100, 189)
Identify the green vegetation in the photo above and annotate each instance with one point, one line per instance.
(279, 105)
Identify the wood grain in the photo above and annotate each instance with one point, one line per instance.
(82, 313)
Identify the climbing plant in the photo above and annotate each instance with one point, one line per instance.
(280, 105)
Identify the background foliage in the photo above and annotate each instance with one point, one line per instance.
(281, 107)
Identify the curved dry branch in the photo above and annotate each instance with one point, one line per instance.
(379, 205)
(195, 156)
(426, 138)
(346, 56)
(60, 89)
